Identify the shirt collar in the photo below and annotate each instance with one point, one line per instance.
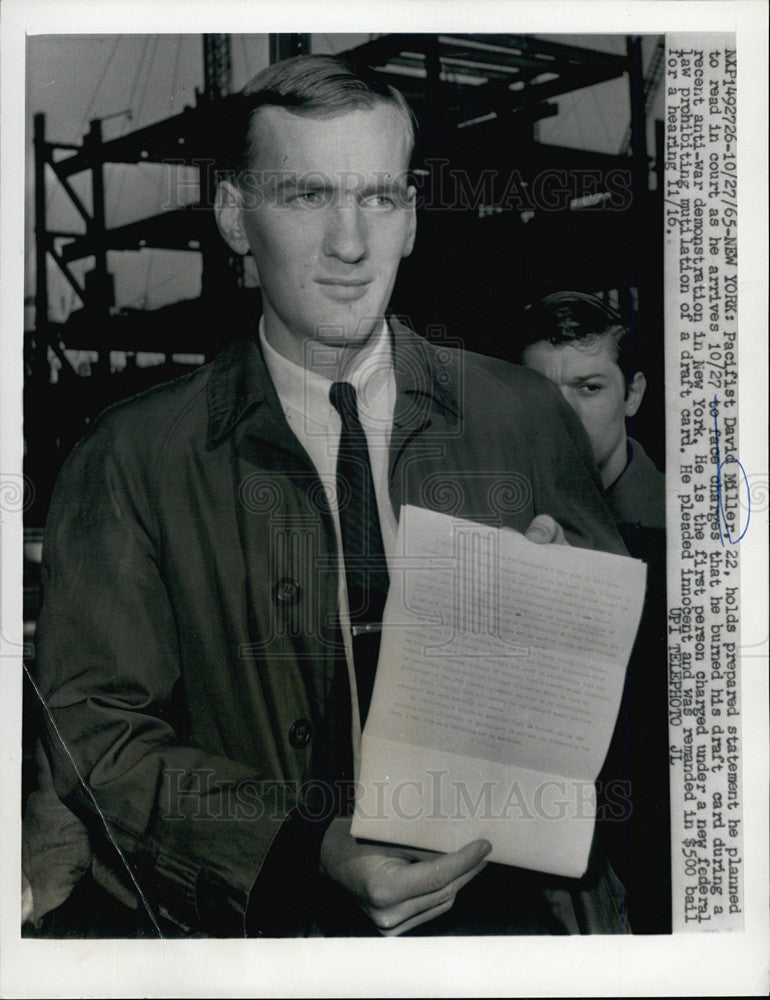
(307, 391)
(425, 377)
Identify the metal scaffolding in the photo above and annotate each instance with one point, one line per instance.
(478, 99)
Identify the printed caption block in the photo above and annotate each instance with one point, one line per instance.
(708, 499)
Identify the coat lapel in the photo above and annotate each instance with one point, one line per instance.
(240, 385)
(426, 398)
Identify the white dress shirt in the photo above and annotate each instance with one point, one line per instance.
(304, 396)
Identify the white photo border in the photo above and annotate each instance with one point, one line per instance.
(681, 964)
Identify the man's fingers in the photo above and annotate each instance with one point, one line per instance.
(420, 918)
(423, 877)
(545, 531)
(398, 887)
(399, 918)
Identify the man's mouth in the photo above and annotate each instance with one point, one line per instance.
(345, 289)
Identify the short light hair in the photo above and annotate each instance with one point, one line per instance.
(312, 86)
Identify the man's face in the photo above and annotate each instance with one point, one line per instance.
(593, 385)
(328, 222)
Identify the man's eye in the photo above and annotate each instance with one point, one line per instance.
(378, 201)
(309, 199)
(588, 388)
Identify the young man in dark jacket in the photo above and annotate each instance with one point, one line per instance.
(584, 347)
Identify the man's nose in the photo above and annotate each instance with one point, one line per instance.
(345, 236)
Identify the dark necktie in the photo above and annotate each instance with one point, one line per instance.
(366, 570)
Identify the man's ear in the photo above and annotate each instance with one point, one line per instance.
(411, 195)
(635, 394)
(227, 211)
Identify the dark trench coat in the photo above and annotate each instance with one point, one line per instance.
(187, 640)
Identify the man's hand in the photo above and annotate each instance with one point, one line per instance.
(398, 887)
(544, 530)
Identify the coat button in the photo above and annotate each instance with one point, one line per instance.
(286, 592)
(300, 733)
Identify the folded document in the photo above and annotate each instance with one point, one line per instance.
(499, 681)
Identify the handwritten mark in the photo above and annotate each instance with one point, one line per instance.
(720, 511)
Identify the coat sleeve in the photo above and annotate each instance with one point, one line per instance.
(189, 831)
(566, 483)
